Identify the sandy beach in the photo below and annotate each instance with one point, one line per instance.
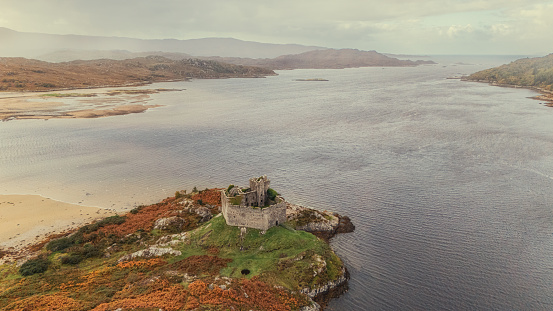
(26, 219)
(83, 103)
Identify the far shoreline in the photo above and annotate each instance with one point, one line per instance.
(545, 95)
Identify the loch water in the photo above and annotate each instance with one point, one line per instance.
(449, 183)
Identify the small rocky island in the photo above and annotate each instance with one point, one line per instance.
(217, 249)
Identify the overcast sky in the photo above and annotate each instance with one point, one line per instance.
(394, 26)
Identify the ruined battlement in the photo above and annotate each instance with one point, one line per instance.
(253, 207)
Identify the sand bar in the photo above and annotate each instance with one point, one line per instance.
(27, 219)
(86, 103)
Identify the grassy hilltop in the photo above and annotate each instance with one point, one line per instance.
(178, 254)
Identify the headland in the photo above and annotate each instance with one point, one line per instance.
(181, 254)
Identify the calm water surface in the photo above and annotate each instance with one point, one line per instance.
(448, 182)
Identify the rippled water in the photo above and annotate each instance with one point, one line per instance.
(448, 182)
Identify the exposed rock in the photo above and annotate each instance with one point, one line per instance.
(312, 307)
(323, 224)
(174, 276)
(319, 265)
(111, 250)
(203, 212)
(332, 289)
(345, 225)
(173, 224)
(173, 239)
(188, 278)
(152, 251)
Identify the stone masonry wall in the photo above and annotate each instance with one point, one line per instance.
(258, 218)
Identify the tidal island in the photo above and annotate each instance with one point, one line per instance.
(234, 248)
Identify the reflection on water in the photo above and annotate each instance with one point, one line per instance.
(448, 182)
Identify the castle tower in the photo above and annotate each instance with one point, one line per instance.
(260, 185)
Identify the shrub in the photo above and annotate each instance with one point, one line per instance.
(61, 243)
(137, 209)
(90, 250)
(87, 251)
(112, 220)
(72, 259)
(271, 194)
(229, 188)
(34, 266)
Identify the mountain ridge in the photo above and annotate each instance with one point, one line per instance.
(31, 45)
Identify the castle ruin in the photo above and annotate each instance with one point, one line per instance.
(255, 207)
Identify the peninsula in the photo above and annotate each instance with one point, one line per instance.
(186, 252)
(21, 74)
(533, 73)
(24, 83)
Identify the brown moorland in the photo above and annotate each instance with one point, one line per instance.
(21, 74)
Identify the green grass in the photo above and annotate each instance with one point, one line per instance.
(281, 256)
(273, 254)
(236, 200)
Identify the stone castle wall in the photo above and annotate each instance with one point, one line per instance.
(258, 218)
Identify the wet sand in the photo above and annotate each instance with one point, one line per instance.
(87, 103)
(27, 219)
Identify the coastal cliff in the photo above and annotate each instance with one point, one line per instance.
(179, 254)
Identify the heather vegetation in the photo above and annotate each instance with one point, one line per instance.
(527, 72)
(112, 264)
(20, 74)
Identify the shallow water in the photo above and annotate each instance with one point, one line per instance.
(448, 182)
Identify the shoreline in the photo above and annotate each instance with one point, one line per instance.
(190, 211)
(545, 95)
(29, 219)
(76, 103)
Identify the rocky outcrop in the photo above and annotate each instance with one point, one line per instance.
(173, 224)
(323, 224)
(312, 307)
(202, 211)
(322, 295)
(171, 240)
(152, 251)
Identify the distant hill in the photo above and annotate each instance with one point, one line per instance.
(21, 74)
(32, 45)
(527, 72)
(325, 59)
(71, 55)
(318, 59)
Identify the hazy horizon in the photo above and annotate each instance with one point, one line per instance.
(391, 53)
(451, 27)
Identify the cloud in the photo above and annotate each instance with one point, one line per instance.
(501, 30)
(459, 30)
(402, 26)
